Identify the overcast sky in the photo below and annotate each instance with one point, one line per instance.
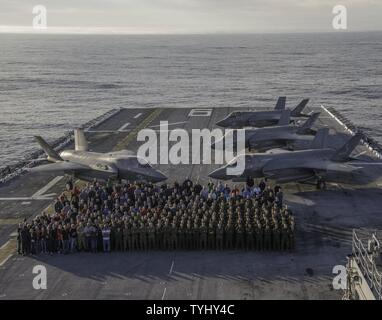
(190, 16)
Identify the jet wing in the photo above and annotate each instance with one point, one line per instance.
(301, 176)
(260, 137)
(59, 166)
(317, 166)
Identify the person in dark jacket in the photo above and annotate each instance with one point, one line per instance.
(25, 241)
(19, 242)
(58, 206)
(73, 238)
(262, 185)
(250, 182)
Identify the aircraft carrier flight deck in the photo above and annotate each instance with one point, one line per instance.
(324, 223)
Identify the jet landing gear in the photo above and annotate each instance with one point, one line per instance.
(321, 184)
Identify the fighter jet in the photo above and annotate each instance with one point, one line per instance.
(87, 165)
(259, 119)
(284, 135)
(318, 163)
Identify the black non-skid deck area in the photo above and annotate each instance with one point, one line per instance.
(324, 219)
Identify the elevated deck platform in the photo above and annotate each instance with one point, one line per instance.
(325, 221)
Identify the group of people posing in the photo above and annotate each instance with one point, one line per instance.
(142, 216)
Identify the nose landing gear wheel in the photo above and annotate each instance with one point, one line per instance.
(321, 184)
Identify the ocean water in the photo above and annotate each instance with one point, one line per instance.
(52, 83)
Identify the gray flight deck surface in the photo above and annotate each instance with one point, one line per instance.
(324, 220)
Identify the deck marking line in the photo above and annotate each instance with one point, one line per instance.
(4, 245)
(125, 141)
(169, 124)
(43, 198)
(102, 131)
(7, 251)
(16, 199)
(138, 115)
(366, 163)
(10, 221)
(40, 192)
(122, 129)
(164, 293)
(172, 266)
(360, 154)
(6, 259)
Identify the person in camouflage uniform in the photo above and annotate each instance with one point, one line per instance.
(276, 238)
(135, 237)
(259, 237)
(284, 237)
(249, 237)
(189, 236)
(219, 236)
(229, 236)
(203, 236)
(82, 245)
(211, 236)
(126, 235)
(118, 239)
(173, 237)
(143, 237)
(195, 235)
(182, 235)
(159, 236)
(239, 236)
(267, 238)
(151, 236)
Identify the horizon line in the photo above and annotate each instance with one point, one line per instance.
(4, 29)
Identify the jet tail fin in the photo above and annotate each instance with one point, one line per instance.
(80, 142)
(309, 123)
(320, 140)
(344, 152)
(285, 118)
(51, 153)
(296, 112)
(280, 104)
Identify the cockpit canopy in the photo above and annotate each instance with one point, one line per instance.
(133, 162)
(232, 163)
(234, 114)
(102, 166)
(143, 163)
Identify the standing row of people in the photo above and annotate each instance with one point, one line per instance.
(142, 216)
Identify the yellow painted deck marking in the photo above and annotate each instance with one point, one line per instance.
(10, 221)
(150, 118)
(7, 250)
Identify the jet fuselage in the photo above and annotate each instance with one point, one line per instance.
(111, 165)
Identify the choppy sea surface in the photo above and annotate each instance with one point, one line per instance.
(52, 83)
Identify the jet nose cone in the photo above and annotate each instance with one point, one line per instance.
(158, 176)
(218, 174)
(222, 123)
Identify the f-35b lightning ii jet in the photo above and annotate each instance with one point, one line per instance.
(316, 164)
(87, 165)
(259, 119)
(284, 135)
